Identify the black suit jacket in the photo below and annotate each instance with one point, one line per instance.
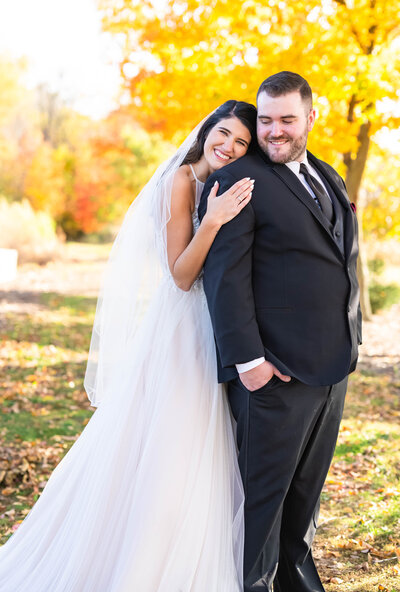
(277, 282)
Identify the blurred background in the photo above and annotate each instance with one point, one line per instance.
(93, 95)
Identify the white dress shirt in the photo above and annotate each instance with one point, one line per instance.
(294, 166)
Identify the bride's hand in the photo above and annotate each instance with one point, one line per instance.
(222, 208)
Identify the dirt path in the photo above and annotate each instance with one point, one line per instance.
(80, 271)
(380, 350)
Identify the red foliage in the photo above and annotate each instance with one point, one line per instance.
(86, 206)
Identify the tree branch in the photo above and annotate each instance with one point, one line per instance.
(352, 104)
(371, 46)
(358, 39)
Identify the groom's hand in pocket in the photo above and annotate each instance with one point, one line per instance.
(257, 377)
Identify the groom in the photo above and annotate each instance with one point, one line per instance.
(282, 291)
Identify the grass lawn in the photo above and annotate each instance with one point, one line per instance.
(42, 403)
(43, 409)
(358, 541)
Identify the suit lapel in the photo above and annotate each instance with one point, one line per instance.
(296, 186)
(332, 178)
(335, 184)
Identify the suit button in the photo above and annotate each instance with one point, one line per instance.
(337, 233)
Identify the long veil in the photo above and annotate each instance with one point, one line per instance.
(149, 497)
(137, 262)
(119, 359)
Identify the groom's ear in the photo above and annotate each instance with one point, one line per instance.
(311, 119)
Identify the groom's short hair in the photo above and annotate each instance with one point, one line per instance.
(284, 83)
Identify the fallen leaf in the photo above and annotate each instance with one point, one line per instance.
(7, 491)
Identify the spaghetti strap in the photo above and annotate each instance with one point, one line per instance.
(194, 174)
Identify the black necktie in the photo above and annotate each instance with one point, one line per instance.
(321, 197)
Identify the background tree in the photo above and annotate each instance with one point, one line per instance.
(182, 58)
(18, 139)
(381, 195)
(11, 89)
(52, 114)
(82, 174)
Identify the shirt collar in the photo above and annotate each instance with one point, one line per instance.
(294, 165)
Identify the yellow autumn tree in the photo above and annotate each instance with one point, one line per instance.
(182, 58)
(45, 185)
(11, 90)
(13, 133)
(381, 194)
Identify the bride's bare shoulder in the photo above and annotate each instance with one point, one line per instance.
(183, 187)
(183, 175)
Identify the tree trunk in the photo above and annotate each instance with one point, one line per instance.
(355, 169)
(363, 277)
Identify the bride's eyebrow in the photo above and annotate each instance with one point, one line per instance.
(229, 132)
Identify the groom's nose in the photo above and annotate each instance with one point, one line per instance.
(276, 129)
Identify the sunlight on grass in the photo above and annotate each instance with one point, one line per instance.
(42, 403)
(44, 408)
(359, 535)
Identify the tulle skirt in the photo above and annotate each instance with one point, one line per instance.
(149, 498)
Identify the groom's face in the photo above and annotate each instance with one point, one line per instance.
(283, 124)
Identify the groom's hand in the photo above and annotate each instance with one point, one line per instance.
(259, 376)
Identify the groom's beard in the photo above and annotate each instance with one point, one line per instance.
(292, 150)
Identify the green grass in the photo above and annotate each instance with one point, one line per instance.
(360, 529)
(25, 427)
(44, 408)
(72, 305)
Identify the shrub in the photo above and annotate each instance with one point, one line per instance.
(376, 265)
(383, 296)
(32, 233)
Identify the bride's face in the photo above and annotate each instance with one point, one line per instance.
(227, 141)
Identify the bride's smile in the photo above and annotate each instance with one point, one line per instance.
(226, 142)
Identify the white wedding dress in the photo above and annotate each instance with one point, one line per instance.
(149, 498)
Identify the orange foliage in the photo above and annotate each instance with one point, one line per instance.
(183, 58)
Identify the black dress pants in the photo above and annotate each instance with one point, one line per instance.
(286, 436)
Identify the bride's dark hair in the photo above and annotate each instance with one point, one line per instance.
(245, 112)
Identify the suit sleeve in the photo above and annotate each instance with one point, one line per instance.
(228, 282)
(359, 313)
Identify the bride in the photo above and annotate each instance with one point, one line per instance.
(149, 498)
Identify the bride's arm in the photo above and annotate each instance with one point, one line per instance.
(187, 253)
